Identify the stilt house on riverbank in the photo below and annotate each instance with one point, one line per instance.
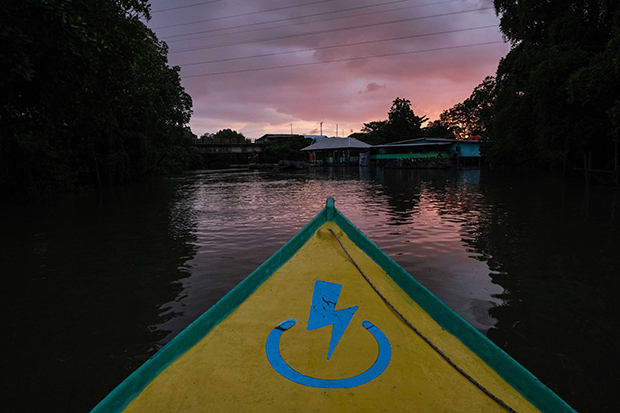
(345, 151)
(427, 148)
(338, 151)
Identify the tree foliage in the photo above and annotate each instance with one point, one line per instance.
(402, 124)
(437, 129)
(556, 92)
(375, 132)
(87, 95)
(474, 115)
(287, 150)
(224, 136)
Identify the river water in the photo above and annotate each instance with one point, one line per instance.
(95, 283)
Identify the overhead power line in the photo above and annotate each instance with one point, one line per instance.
(337, 46)
(244, 14)
(302, 17)
(364, 26)
(349, 59)
(277, 20)
(186, 6)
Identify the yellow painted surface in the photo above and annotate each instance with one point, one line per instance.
(228, 370)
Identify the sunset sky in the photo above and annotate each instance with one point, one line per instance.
(260, 66)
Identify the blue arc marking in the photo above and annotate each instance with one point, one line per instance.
(278, 363)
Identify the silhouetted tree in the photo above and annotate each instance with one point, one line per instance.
(87, 95)
(287, 150)
(437, 129)
(402, 124)
(556, 93)
(474, 115)
(224, 136)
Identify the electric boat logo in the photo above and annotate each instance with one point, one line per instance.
(322, 314)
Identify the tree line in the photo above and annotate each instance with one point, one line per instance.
(468, 118)
(88, 97)
(554, 99)
(224, 136)
(273, 152)
(556, 94)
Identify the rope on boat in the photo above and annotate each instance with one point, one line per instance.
(430, 343)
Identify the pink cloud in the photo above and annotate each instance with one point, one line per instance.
(427, 60)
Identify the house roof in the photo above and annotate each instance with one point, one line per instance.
(336, 143)
(401, 145)
(275, 137)
(424, 142)
(316, 138)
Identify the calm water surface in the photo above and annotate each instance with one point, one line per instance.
(95, 284)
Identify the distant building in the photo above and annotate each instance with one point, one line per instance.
(427, 148)
(351, 151)
(337, 151)
(275, 137)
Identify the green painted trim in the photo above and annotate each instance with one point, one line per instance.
(330, 209)
(131, 387)
(508, 368)
(408, 155)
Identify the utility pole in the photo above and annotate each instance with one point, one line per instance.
(321, 128)
(291, 129)
(336, 130)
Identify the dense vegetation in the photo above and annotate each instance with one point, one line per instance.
(468, 118)
(224, 136)
(557, 90)
(474, 115)
(554, 100)
(223, 160)
(88, 98)
(289, 150)
(273, 152)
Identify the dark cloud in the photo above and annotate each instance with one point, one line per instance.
(343, 68)
(372, 87)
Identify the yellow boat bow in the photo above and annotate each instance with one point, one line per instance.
(331, 323)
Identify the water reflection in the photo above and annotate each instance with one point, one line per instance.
(560, 273)
(417, 217)
(86, 279)
(434, 213)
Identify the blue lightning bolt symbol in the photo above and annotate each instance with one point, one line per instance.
(323, 312)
